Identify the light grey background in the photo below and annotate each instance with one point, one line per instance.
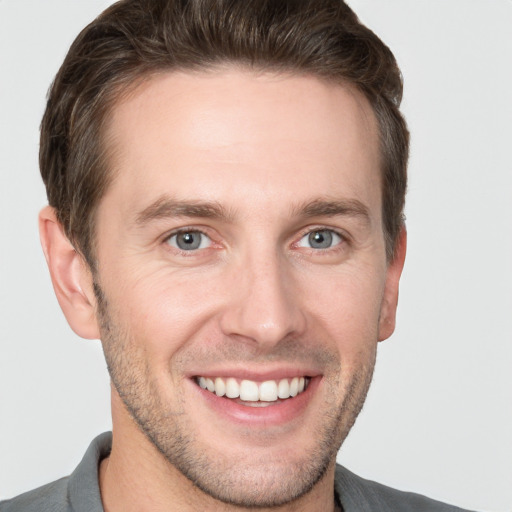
(438, 419)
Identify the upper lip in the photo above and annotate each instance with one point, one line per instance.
(257, 375)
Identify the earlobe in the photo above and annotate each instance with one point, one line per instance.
(70, 274)
(390, 298)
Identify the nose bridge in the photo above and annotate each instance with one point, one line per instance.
(265, 302)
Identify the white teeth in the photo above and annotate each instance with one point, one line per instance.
(232, 388)
(210, 386)
(294, 386)
(268, 391)
(251, 391)
(220, 387)
(283, 389)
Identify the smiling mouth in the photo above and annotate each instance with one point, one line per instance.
(252, 393)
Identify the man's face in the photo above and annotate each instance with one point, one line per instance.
(240, 247)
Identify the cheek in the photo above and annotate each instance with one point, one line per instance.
(165, 310)
(347, 303)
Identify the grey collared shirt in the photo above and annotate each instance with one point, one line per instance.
(80, 491)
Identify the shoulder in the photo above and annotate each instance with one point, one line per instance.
(359, 494)
(79, 492)
(51, 497)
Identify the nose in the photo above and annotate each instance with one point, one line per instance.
(265, 303)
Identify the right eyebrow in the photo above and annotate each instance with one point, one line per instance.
(166, 207)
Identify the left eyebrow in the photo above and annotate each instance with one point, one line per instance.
(334, 208)
(167, 207)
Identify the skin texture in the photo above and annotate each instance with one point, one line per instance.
(255, 162)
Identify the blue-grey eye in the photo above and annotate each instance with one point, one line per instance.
(189, 240)
(320, 239)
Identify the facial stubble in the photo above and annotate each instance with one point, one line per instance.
(262, 483)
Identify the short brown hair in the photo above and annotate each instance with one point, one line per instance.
(136, 38)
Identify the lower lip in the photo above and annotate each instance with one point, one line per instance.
(276, 414)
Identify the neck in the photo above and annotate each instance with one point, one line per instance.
(136, 477)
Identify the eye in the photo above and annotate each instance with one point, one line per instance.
(320, 239)
(189, 240)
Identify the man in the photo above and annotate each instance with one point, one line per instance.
(226, 184)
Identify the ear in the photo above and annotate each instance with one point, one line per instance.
(71, 276)
(390, 299)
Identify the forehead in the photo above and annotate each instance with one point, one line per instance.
(276, 137)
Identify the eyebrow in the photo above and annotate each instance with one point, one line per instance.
(166, 207)
(335, 208)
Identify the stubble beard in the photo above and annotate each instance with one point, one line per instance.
(260, 484)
